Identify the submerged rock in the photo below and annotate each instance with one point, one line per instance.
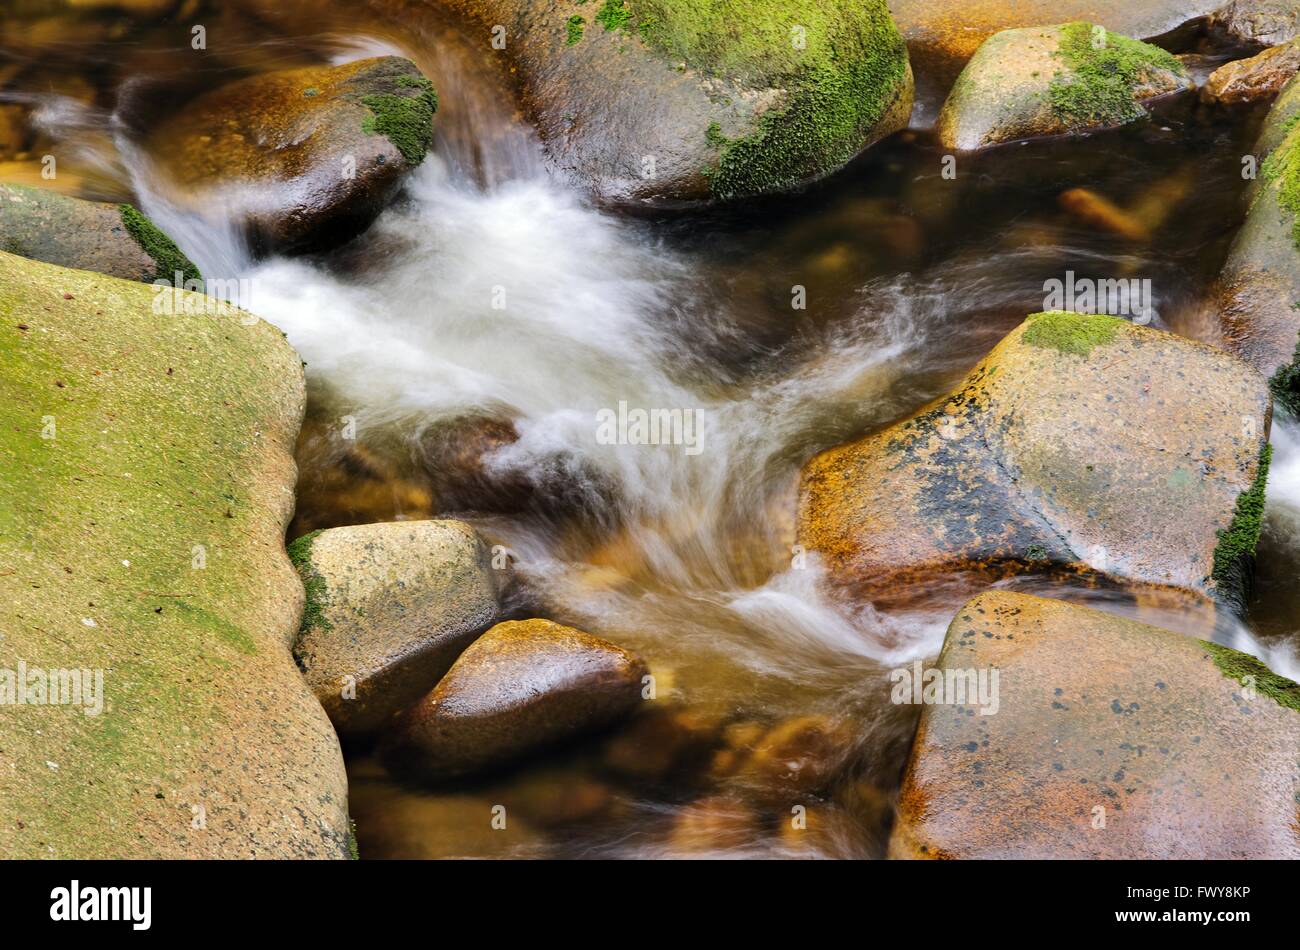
(389, 608)
(1079, 441)
(116, 240)
(1257, 79)
(302, 158)
(521, 686)
(147, 476)
(665, 102)
(1111, 739)
(1258, 22)
(1259, 287)
(1055, 80)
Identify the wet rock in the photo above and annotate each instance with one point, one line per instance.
(715, 825)
(663, 102)
(1257, 79)
(1260, 282)
(389, 608)
(116, 240)
(1080, 441)
(942, 35)
(1112, 739)
(663, 743)
(521, 686)
(303, 158)
(1055, 80)
(796, 758)
(455, 453)
(143, 536)
(1257, 22)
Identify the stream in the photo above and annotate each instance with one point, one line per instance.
(493, 298)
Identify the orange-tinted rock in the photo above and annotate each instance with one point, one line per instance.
(1111, 739)
(1257, 79)
(1080, 441)
(520, 687)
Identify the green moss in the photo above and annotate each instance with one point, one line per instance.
(1281, 171)
(614, 15)
(1238, 666)
(166, 255)
(1075, 333)
(1237, 542)
(1285, 384)
(313, 612)
(406, 120)
(574, 25)
(1096, 88)
(353, 853)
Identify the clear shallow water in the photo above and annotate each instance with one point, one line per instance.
(490, 291)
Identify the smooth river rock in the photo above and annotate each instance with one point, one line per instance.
(303, 158)
(1256, 79)
(520, 687)
(1259, 286)
(389, 608)
(1055, 80)
(1083, 442)
(146, 478)
(116, 240)
(1258, 22)
(1111, 739)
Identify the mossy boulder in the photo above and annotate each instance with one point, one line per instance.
(667, 102)
(1259, 287)
(1257, 22)
(146, 477)
(520, 687)
(1055, 80)
(389, 608)
(117, 240)
(1081, 442)
(302, 158)
(1110, 739)
(942, 35)
(1254, 80)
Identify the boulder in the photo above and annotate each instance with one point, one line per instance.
(1260, 283)
(1055, 80)
(942, 35)
(389, 608)
(1257, 79)
(1257, 22)
(116, 240)
(521, 686)
(1082, 442)
(1111, 739)
(302, 158)
(663, 102)
(146, 478)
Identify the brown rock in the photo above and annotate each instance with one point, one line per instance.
(305, 158)
(521, 686)
(1257, 79)
(1079, 441)
(1258, 22)
(1111, 739)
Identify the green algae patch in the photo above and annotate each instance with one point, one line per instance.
(614, 15)
(1247, 670)
(406, 120)
(313, 611)
(574, 27)
(1238, 541)
(1285, 384)
(841, 68)
(169, 258)
(1104, 69)
(1281, 171)
(1075, 333)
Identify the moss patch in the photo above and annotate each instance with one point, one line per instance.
(1285, 384)
(574, 27)
(1097, 86)
(166, 255)
(1237, 542)
(406, 120)
(1237, 666)
(614, 15)
(1281, 171)
(313, 613)
(1076, 333)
